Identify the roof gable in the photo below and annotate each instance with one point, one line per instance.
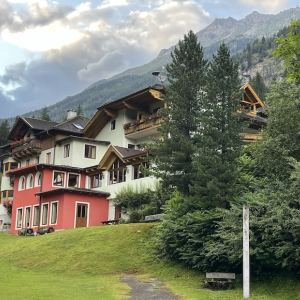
(23, 124)
(140, 100)
(126, 155)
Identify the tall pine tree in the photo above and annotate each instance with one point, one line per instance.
(45, 115)
(219, 142)
(174, 152)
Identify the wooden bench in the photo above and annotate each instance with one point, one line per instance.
(220, 280)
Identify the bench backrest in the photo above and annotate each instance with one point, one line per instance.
(218, 275)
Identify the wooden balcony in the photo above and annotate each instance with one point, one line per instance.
(144, 128)
(26, 148)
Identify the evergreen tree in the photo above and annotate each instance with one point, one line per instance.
(4, 132)
(219, 142)
(174, 152)
(258, 84)
(45, 115)
(79, 110)
(289, 50)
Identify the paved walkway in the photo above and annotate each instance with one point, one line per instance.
(147, 291)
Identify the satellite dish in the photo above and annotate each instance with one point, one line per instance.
(162, 76)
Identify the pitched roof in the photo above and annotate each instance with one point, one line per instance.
(73, 125)
(128, 156)
(139, 100)
(23, 124)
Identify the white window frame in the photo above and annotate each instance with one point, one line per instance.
(42, 214)
(19, 221)
(89, 145)
(79, 178)
(64, 151)
(36, 179)
(61, 172)
(48, 158)
(51, 205)
(25, 212)
(33, 215)
(20, 183)
(28, 181)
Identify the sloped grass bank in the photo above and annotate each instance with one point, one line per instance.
(87, 263)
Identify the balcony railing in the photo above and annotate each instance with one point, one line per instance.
(26, 148)
(142, 125)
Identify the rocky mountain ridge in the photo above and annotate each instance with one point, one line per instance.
(237, 34)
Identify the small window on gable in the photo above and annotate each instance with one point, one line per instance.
(113, 125)
(67, 150)
(27, 162)
(37, 159)
(58, 178)
(73, 180)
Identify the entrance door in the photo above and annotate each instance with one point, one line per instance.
(81, 215)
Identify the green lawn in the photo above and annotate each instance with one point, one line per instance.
(87, 263)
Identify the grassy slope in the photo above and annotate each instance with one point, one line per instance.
(87, 263)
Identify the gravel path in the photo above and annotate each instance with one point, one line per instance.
(147, 291)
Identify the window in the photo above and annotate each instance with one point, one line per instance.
(7, 195)
(73, 180)
(67, 150)
(96, 181)
(19, 217)
(30, 181)
(37, 159)
(48, 158)
(113, 125)
(45, 207)
(10, 194)
(54, 206)
(27, 162)
(131, 146)
(27, 216)
(117, 172)
(58, 178)
(36, 215)
(138, 171)
(90, 151)
(22, 183)
(38, 179)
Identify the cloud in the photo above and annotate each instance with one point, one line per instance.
(107, 66)
(269, 6)
(78, 46)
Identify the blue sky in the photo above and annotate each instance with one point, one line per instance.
(50, 49)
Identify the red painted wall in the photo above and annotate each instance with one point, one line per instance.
(98, 205)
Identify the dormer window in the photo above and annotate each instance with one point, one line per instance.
(113, 125)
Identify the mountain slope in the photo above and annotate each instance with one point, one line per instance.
(237, 34)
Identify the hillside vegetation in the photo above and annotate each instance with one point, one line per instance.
(88, 263)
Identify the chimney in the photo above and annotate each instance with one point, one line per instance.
(71, 114)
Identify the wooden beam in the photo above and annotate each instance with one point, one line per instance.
(136, 106)
(111, 112)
